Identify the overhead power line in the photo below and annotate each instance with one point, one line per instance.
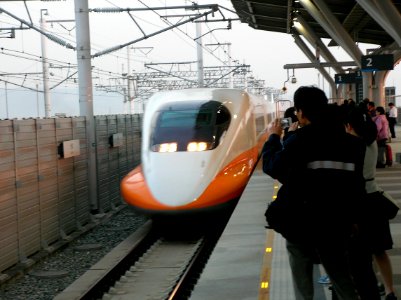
(153, 34)
(48, 35)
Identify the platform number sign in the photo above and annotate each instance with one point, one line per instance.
(344, 78)
(348, 77)
(377, 62)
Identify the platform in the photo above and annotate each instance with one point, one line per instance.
(251, 262)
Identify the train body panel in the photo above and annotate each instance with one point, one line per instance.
(190, 177)
(199, 148)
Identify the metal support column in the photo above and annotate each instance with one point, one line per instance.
(86, 92)
(385, 14)
(316, 42)
(199, 51)
(300, 43)
(378, 90)
(333, 27)
(45, 65)
(367, 85)
(129, 96)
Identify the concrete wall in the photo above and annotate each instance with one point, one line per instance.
(44, 196)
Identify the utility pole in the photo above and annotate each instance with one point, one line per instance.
(199, 54)
(86, 92)
(37, 99)
(129, 96)
(230, 63)
(5, 89)
(45, 65)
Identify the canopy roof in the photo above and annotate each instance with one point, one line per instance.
(278, 16)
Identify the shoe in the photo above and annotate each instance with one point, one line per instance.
(324, 279)
(390, 296)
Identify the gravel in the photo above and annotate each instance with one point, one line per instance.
(54, 273)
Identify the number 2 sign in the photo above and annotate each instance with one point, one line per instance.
(377, 62)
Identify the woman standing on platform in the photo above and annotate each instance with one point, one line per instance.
(382, 135)
(376, 230)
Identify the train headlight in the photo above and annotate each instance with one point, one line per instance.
(165, 147)
(197, 146)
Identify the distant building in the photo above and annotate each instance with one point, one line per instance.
(390, 95)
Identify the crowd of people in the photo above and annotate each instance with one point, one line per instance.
(326, 163)
(385, 122)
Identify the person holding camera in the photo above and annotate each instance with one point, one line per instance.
(320, 168)
(290, 117)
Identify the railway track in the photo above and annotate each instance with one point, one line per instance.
(158, 261)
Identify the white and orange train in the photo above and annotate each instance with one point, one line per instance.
(199, 149)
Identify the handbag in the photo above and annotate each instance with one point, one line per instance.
(275, 215)
(284, 218)
(383, 205)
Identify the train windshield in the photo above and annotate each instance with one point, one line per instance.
(189, 126)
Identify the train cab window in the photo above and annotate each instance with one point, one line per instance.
(189, 126)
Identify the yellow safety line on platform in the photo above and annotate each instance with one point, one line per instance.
(264, 288)
(265, 274)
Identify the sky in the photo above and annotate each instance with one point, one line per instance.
(265, 52)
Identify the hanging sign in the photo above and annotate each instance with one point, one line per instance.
(348, 77)
(377, 62)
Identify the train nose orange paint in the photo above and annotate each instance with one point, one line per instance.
(227, 185)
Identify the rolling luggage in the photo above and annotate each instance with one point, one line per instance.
(389, 155)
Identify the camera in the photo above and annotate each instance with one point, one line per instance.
(285, 122)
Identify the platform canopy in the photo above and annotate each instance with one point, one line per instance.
(279, 15)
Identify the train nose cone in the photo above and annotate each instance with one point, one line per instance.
(179, 180)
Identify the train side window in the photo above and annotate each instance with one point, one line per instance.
(269, 118)
(260, 124)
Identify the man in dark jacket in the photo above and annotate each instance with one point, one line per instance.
(320, 168)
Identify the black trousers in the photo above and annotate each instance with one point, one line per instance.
(391, 124)
(362, 269)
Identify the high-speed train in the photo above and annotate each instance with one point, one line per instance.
(199, 149)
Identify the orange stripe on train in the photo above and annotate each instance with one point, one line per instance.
(227, 185)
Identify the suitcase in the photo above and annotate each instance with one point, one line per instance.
(389, 155)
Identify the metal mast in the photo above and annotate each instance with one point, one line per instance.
(85, 91)
(199, 51)
(45, 65)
